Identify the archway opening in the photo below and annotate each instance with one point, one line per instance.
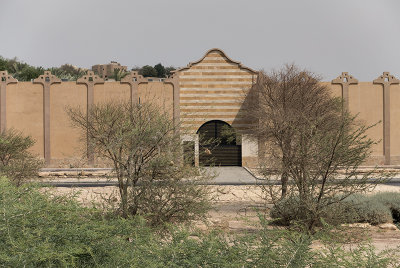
(219, 144)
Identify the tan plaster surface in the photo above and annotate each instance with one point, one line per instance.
(111, 91)
(64, 139)
(25, 112)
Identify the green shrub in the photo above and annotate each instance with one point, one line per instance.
(289, 211)
(369, 209)
(363, 255)
(42, 231)
(16, 161)
(374, 209)
(36, 230)
(391, 200)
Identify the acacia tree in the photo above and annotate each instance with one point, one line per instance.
(146, 151)
(16, 161)
(314, 146)
(278, 101)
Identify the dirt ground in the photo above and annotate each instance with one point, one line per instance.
(236, 209)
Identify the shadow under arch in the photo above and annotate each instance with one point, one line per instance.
(219, 144)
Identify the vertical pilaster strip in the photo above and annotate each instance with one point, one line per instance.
(46, 122)
(345, 80)
(134, 92)
(174, 80)
(90, 80)
(386, 80)
(386, 119)
(133, 79)
(3, 104)
(46, 80)
(89, 102)
(5, 79)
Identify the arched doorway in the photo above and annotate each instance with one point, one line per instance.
(219, 144)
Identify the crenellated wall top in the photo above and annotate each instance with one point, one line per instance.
(345, 79)
(90, 78)
(386, 79)
(133, 77)
(6, 78)
(47, 78)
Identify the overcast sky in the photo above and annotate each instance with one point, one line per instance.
(325, 36)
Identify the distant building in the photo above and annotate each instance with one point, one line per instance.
(107, 70)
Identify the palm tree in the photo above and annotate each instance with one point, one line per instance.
(118, 74)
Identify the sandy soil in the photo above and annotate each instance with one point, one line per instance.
(236, 209)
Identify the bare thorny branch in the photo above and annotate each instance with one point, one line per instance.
(142, 143)
(315, 146)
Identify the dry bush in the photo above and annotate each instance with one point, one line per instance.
(16, 161)
(314, 143)
(146, 150)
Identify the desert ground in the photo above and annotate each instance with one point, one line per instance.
(236, 209)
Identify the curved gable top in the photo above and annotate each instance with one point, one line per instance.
(220, 51)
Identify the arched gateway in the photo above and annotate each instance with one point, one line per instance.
(212, 96)
(219, 144)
